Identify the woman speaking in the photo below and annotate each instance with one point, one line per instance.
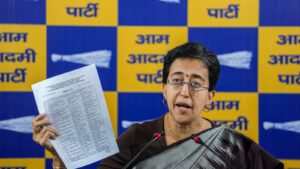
(190, 74)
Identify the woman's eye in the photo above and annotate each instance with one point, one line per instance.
(176, 81)
(195, 84)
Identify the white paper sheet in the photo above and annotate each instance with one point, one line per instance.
(75, 102)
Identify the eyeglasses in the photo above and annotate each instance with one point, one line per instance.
(178, 85)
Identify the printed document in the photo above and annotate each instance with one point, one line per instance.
(75, 102)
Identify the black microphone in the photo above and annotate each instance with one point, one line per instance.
(198, 140)
(156, 136)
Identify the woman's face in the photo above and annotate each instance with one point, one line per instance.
(186, 104)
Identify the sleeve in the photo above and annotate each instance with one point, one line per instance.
(125, 144)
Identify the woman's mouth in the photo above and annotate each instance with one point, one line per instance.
(183, 107)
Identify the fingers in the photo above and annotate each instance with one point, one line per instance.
(42, 133)
(40, 116)
(36, 119)
(45, 139)
(49, 129)
(42, 138)
(39, 122)
(37, 137)
(53, 131)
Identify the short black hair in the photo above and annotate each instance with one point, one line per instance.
(193, 50)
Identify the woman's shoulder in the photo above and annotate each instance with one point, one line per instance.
(150, 125)
(252, 150)
(141, 131)
(235, 135)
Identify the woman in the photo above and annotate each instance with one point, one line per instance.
(190, 75)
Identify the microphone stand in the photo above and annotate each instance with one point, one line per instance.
(156, 136)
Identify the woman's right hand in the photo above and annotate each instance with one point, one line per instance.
(42, 132)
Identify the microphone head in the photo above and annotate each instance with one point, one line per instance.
(196, 138)
(158, 135)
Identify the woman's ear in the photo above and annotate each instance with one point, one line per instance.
(211, 96)
(165, 91)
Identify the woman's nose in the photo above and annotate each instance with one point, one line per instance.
(185, 90)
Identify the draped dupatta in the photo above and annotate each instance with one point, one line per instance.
(222, 148)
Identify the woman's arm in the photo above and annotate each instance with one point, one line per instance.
(42, 133)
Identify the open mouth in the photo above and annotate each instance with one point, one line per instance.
(183, 105)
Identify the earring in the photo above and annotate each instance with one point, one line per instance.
(163, 102)
(206, 109)
(209, 106)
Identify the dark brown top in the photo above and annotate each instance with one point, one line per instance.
(133, 140)
(137, 136)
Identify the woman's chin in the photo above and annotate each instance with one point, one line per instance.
(183, 118)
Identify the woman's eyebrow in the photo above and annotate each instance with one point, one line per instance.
(192, 75)
(177, 73)
(198, 76)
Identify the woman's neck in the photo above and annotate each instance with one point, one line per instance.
(176, 132)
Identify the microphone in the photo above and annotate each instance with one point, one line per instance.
(156, 136)
(198, 140)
